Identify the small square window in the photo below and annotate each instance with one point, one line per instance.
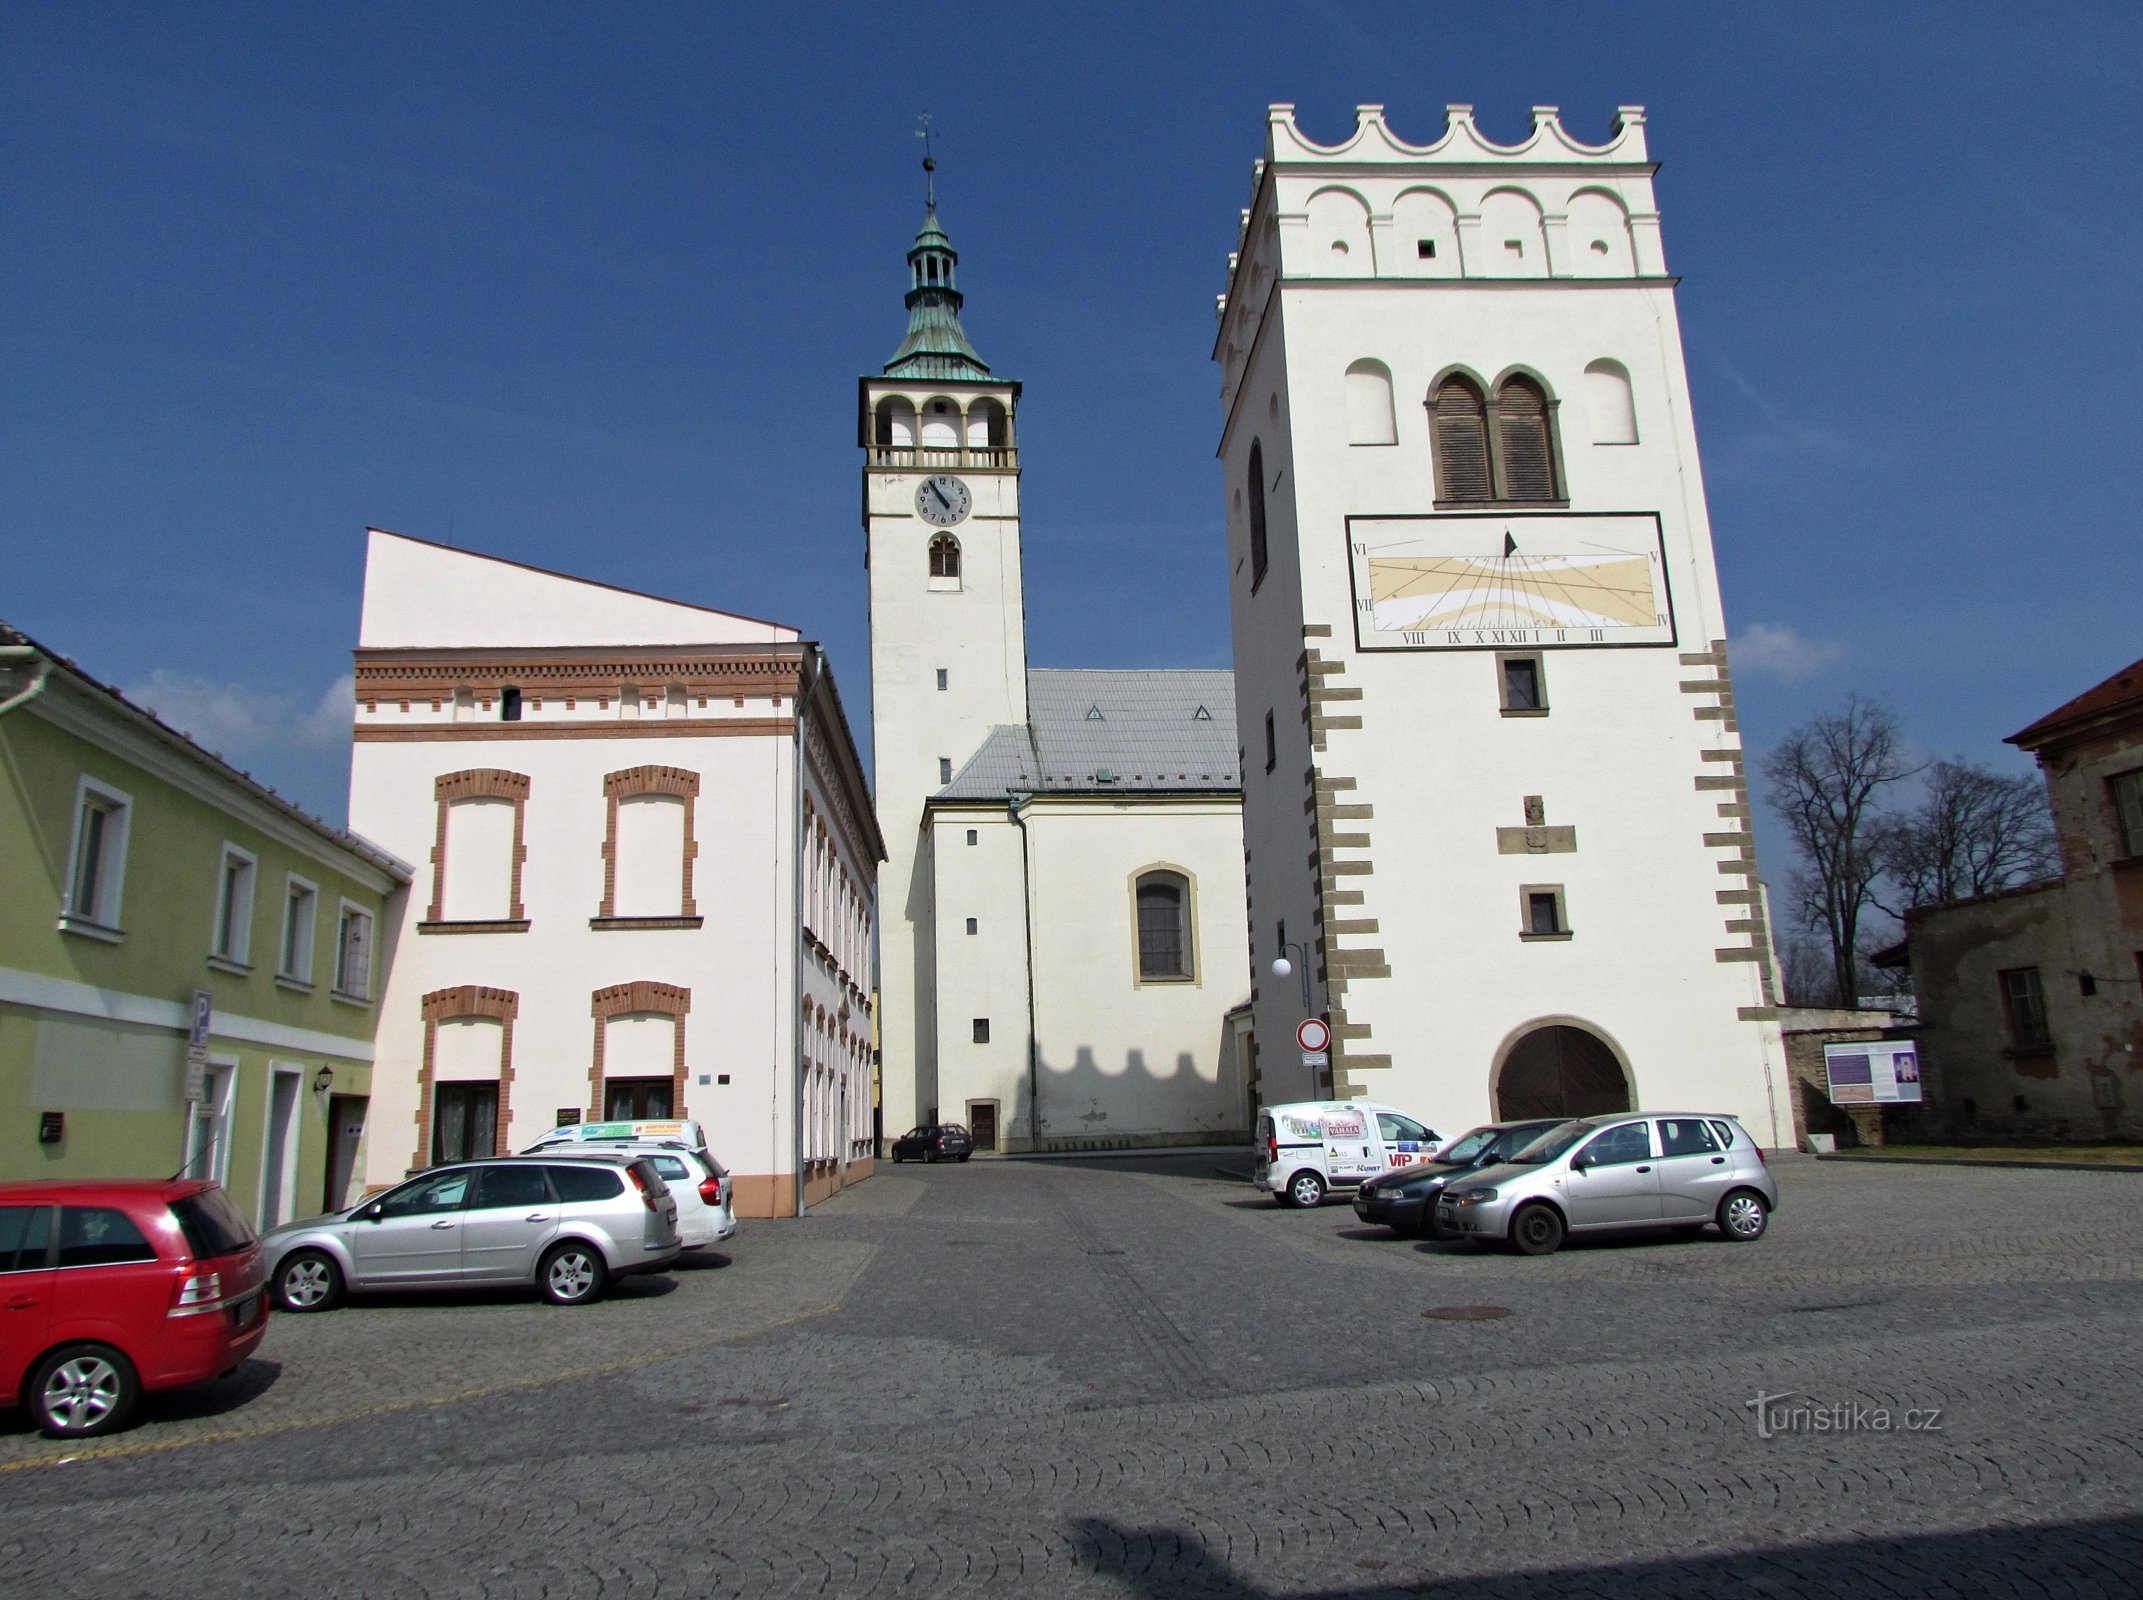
(973, 837)
(982, 1030)
(971, 928)
(1425, 249)
(1523, 684)
(2086, 984)
(941, 679)
(1541, 908)
(1515, 246)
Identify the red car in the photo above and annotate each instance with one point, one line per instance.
(110, 1287)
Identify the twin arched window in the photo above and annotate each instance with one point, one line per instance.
(1501, 451)
(1164, 927)
(945, 556)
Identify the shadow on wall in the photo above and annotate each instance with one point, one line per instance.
(1086, 1108)
(1165, 1563)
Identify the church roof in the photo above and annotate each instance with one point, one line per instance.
(1094, 731)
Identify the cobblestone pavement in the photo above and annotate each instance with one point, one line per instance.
(1134, 1378)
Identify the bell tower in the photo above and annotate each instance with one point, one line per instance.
(947, 620)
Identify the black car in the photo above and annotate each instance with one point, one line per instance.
(934, 1141)
(1404, 1199)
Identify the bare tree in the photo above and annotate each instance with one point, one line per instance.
(1826, 779)
(1974, 831)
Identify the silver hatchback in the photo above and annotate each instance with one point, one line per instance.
(1679, 1170)
(569, 1225)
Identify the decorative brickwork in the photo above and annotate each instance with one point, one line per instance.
(445, 1005)
(1726, 774)
(629, 999)
(479, 783)
(630, 784)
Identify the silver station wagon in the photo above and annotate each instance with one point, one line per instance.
(1680, 1170)
(569, 1225)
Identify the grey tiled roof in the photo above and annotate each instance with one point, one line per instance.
(1108, 732)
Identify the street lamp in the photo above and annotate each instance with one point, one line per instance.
(1281, 967)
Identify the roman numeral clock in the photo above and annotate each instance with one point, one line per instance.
(1471, 582)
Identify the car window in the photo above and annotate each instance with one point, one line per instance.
(511, 1186)
(100, 1236)
(442, 1191)
(1685, 1136)
(586, 1183)
(1724, 1131)
(1468, 1147)
(955, 1129)
(25, 1231)
(1401, 1130)
(212, 1225)
(1619, 1146)
(917, 1133)
(1555, 1142)
(671, 1167)
(1512, 1140)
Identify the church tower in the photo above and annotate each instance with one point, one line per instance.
(947, 621)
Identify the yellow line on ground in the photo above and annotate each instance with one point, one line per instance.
(143, 1447)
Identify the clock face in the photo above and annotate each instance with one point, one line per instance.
(943, 500)
(1498, 583)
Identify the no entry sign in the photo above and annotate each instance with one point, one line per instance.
(1313, 1036)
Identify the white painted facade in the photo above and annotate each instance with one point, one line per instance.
(1393, 831)
(655, 864)
(1011, 994)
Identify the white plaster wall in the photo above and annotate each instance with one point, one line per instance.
(479, 850)
(979, 975)
(1617, 757)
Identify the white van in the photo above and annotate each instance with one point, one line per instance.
(1307, 1149)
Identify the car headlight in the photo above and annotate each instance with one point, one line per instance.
(1474, 1197)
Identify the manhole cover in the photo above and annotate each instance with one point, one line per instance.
(1467, 1313)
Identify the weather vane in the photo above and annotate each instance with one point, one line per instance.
(930, 162)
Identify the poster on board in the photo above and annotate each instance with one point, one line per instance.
(1885, 1072)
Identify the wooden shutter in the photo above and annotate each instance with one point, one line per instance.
(1522, 441)
(1460, 425)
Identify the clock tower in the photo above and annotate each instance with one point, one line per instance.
(947, 621)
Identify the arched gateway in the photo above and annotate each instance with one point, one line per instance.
(1560, 1071)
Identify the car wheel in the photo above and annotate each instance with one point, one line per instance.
(1536, 1230)
(1743, 1216)
(572, 1275)
(1305, 1190)
(81, 1390)
(308, 1280)
(930, 1158)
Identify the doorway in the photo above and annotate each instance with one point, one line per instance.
(638, 1099)
(465, 1121)
(982, 1123)
(1560, 1071)
(208, 1125)
(279, 1151)
(345, 1128)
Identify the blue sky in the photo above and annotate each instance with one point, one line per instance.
(590, 287)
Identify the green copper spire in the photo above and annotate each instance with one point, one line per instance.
(936, 345)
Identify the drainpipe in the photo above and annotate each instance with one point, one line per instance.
(36, 686)
(1034, 1041)
(806, 680)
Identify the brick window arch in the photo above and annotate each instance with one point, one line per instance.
(487, 850)
(635, 873)
(643, 998)
(465, 1002)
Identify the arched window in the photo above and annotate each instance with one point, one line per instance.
(1608, 403)
(895, 424)
(1524, 452)
(1257, 513)
(1164, 927)
(941, 426)
(945, 557)
(1459, 421)
(1369, 404)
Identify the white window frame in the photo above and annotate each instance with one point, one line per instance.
(240, 953)
(299, 967)
(354, 997)
(214, 1115)
(100, 921)
(287, 1178)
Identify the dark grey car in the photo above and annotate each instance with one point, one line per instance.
(569, 1225)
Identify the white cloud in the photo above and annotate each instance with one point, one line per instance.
(236, 720)
(1782, 651)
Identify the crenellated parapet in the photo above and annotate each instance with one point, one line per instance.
(1461, 208)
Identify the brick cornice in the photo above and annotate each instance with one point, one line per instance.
(471, 1000)
(641, 995)
(703, 670)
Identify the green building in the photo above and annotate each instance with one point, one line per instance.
(188, 963)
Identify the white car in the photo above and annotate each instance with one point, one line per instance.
(1308, 1149)
(706, 1208)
